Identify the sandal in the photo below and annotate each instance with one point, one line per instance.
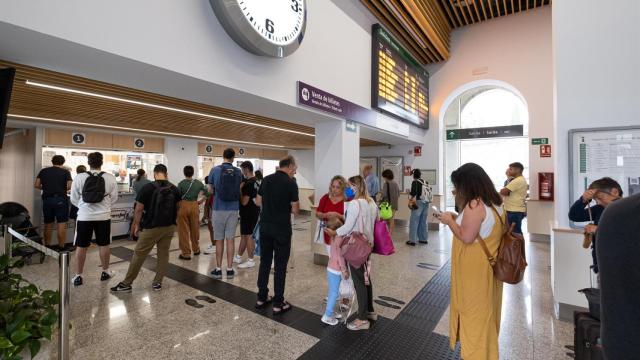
(283, 308)
(262, 304)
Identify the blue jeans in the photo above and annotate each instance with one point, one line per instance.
(332, 295)
(515, 218)
(418, 223)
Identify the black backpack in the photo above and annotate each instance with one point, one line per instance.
(229, 184)
(93, 190)
(162, 211)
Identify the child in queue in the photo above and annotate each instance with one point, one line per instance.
(336, 270)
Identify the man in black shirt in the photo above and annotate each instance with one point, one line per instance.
(54, 182)
(155, 220)
(249, 213)
(618, 251)
(278, 196)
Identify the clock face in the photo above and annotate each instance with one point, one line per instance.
(264, 27)
(277, 21)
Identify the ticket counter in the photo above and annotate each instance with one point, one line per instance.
(123, 156)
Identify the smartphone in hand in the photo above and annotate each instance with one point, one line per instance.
(436, 212)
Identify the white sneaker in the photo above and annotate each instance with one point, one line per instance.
(209, 250)
(247, 264)
(329, 320)
(237, 259)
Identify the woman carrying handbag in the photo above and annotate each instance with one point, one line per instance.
(361, 214)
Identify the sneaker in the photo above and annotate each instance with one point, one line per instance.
(410, 243)
(237, 259)
(247, 264)
(329, 320)
(156, 286)
(230, 274)
(77, 280)
(372, 316)
(364, 325)
(106, 275)
(181, 257)
(209, 250)
(216, 273)
(121, 287)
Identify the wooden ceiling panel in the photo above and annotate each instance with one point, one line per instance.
(98, 112)
(424, 26)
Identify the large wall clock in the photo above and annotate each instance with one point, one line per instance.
(264, 27)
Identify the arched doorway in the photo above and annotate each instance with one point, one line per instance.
(483, 105)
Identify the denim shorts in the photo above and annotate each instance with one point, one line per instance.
(55, 209)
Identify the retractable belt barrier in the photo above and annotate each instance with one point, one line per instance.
(63, 285)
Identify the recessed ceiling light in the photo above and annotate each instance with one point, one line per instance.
(69, 122)
(161, 107)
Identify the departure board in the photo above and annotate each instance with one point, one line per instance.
(400, 85)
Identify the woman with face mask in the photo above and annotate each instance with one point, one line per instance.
(361, 214)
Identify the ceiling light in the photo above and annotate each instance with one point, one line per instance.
(161, 107)
(140, 130)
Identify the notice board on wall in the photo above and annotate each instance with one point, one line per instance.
(596, 153)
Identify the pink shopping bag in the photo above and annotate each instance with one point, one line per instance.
(382, 243)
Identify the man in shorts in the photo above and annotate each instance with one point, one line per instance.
(249, 213)
(224, 182)
(93, 217)
(54, 182)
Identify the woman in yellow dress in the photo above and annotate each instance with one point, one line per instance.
(476, 296)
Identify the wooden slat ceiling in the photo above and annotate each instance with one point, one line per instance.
(33, 101)
(424, 26)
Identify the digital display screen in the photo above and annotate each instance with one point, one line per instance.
(400, 85)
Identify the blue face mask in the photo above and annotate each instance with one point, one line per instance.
(349, 193)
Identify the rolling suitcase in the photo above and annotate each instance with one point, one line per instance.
(586, 337)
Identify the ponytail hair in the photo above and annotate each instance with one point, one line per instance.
(361, 186)
(141, 173)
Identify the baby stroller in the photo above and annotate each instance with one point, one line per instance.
(17, 216)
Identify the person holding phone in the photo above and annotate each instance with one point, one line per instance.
(476, 295)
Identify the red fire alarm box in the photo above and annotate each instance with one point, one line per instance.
(545, 186)
(417, 151)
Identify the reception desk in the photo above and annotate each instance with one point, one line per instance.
(570, 271)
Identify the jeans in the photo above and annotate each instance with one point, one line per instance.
(418, 230)
(516, 218)
(276, 248)
(332, 294)
(364, 293)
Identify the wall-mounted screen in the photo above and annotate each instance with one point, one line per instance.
(400, 85)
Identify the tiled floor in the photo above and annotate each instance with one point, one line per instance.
(159, 325)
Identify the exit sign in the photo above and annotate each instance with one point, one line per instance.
(540, 141)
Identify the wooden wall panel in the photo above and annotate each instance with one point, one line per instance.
(93, 140)
(270, 154)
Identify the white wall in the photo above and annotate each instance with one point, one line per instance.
(515, 50)
(596, 56)
(178, 154)
(186, 37)
(305, 176)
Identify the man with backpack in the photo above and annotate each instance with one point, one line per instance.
(93, 192)
(154, 223)
(224, 182)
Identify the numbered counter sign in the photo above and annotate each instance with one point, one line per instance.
(138, 143)
(78, 138)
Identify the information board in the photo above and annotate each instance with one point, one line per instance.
(400, 85)
(612, 152)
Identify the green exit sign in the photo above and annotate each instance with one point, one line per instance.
(540, 141)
